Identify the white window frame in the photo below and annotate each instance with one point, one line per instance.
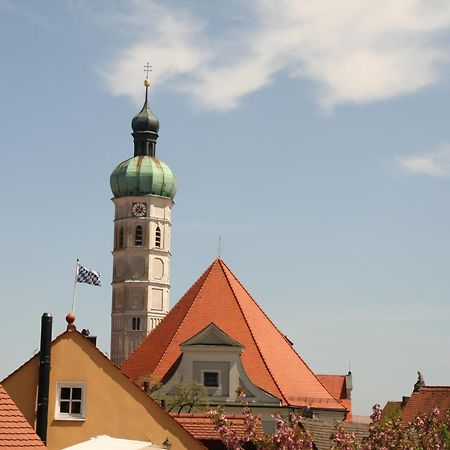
(219, 384)
(70, 416)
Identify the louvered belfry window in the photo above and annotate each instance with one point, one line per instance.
(138, 236)
(158, 237)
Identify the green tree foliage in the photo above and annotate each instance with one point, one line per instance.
(187, 397)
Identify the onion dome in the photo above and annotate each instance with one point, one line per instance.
(143, 175)
(145, 121)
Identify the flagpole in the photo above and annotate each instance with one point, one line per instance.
(75, 286)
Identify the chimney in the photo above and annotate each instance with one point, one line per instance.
(349, 384)
(404, 400)
(93, 339)
(44, 377)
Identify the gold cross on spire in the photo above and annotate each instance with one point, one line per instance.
(147, 68)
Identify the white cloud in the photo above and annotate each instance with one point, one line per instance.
(435, 164)
(354, 51)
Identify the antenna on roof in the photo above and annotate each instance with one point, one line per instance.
(219, 250)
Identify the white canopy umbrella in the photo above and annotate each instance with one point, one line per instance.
(108, 443)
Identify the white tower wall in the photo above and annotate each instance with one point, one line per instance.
(141, 272)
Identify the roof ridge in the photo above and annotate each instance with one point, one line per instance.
(281, 334)
(433, 387)
(249, 327)
(330, 375)
(206, 273)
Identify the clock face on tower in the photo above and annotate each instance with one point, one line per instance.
(139, 209)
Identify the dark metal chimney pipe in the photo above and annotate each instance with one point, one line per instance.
(44, 377)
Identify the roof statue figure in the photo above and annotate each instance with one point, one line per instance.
(419, 383)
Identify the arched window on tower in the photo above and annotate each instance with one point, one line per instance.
(121, 237)
(158, 237)
(136, 324)
(138, 236)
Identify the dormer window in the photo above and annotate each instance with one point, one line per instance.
(138, 236)
(158, 237)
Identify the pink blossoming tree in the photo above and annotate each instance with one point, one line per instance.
(426, 432)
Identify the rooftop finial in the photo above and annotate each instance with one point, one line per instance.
(147, 69)
(145, 125)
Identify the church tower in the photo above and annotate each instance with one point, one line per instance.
(143, 188)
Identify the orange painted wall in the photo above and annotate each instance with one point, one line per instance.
(114, 405)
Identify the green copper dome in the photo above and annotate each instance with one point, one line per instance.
(143, 175)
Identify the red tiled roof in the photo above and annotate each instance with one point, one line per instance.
(202, 427)
(335, 385)
(268, 358)
(15, 431)
(425, 400)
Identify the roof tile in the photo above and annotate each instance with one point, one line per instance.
(425, 400)
(15, 431)
(335, 385)
(321, 431)
(202, 427)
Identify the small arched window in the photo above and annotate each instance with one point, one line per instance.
(158, 237)
(121, 237)
(138, 236)
(136, 324)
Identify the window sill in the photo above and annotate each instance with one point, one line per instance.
(70, 419)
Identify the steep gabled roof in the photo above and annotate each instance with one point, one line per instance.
(425, 400)
(268, 358)
(15, 431)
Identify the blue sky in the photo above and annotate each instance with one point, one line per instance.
(313, 138)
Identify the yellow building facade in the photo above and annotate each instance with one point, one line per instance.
(89, 396)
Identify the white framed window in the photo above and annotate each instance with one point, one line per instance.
(211, 378)
(70, 401)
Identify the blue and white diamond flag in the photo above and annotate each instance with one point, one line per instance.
(88, 276)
